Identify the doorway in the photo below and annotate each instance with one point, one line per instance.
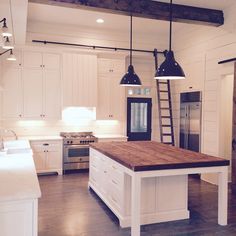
(226, 117)
(139, 118)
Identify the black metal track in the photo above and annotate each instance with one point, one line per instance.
(228, 60)
(5, 52)
(94, 46)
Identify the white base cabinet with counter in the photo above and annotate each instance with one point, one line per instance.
(162, 199)
(47, 155)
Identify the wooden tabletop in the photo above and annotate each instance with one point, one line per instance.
(150, 155)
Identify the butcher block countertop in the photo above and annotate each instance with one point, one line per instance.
(151, 155)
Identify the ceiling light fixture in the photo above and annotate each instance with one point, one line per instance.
(5, 31)
(100, 21)
(130, 78)
(7, 44)
(11, 57)
(170, 69)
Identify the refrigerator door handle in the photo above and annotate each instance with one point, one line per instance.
(233, 144)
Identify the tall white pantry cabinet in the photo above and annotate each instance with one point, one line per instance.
(32, 86)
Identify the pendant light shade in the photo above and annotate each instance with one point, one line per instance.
(11, 57)
(5, 31)
(130, 78)
(170, 68)
(7, 44)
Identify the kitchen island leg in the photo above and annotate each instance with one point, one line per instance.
(223, 196)
(135, 205)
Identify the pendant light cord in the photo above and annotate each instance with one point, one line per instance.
(171, 18)
(131, 37)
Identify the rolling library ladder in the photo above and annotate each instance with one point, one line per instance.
(165, 109)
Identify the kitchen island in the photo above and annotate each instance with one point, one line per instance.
(19, 192)
(146, 182)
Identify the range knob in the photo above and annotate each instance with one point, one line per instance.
(71, 142)
(68, 142)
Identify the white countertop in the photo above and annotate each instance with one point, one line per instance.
(110, 136)
(38, 138)
(18, 178)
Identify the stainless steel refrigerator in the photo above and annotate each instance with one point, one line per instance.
(190, 121)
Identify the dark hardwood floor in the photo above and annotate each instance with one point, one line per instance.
(68, 208)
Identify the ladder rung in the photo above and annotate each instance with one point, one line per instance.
(163, 91)
(164, 108)
(162, 82)
(167, 134)
(164, 99)
(166, 125)
(168, 143)
(165, 117)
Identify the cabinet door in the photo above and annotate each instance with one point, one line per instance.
(40, 160)
(32, 59)
(32, 93)
(117, 99)
(52, 93)
(12, 95)
(51, 61)
(16, 218)
(104, 66)
(54, 160)
(103, 107)
(118, 67)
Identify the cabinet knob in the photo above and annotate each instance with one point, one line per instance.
(20, 115)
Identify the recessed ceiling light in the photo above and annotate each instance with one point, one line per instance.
(100, 21)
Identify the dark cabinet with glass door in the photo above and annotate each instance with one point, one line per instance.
(139, 113)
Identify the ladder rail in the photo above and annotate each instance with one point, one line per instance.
(158, 97)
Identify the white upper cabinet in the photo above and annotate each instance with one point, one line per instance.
(79, 80)
(12, 93)
(111, 96)
(33, 91)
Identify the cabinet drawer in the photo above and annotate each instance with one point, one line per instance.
(94, 175)
(49, 146)
(116, 197)
(94, 162)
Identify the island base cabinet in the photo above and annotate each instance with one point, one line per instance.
(162, 198)
(19, 218)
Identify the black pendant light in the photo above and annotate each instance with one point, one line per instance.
(170, 69)
(130, 78)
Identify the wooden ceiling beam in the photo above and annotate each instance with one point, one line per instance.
(146, 9)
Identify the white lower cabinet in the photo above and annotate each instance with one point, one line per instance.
(162, 199)
(19, 218)
(47, 156)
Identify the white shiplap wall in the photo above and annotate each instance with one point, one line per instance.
(199, 52)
